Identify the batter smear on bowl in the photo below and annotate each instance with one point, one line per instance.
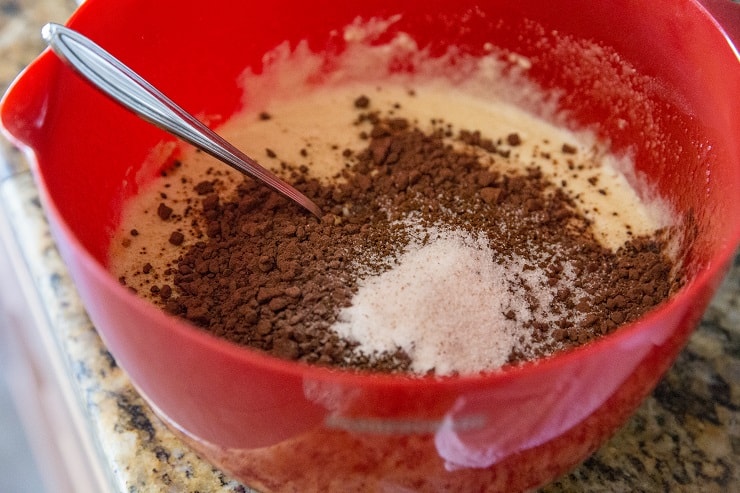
(451, 243)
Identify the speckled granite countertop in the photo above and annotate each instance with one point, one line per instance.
(685, 437)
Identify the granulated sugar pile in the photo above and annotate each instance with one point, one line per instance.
(441, 295)
(412, 307)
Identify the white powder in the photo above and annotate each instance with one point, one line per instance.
(440, 296)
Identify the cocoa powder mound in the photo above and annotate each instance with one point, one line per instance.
(268, 276)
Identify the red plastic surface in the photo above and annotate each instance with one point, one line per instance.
(512, 429)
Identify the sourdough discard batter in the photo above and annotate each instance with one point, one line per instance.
(321, 131)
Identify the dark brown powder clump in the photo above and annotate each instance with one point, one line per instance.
(269, 276)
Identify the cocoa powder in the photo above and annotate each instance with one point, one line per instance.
(269, 276)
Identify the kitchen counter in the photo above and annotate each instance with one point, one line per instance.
(685, 436)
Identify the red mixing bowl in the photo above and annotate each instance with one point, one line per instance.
(657, 79)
